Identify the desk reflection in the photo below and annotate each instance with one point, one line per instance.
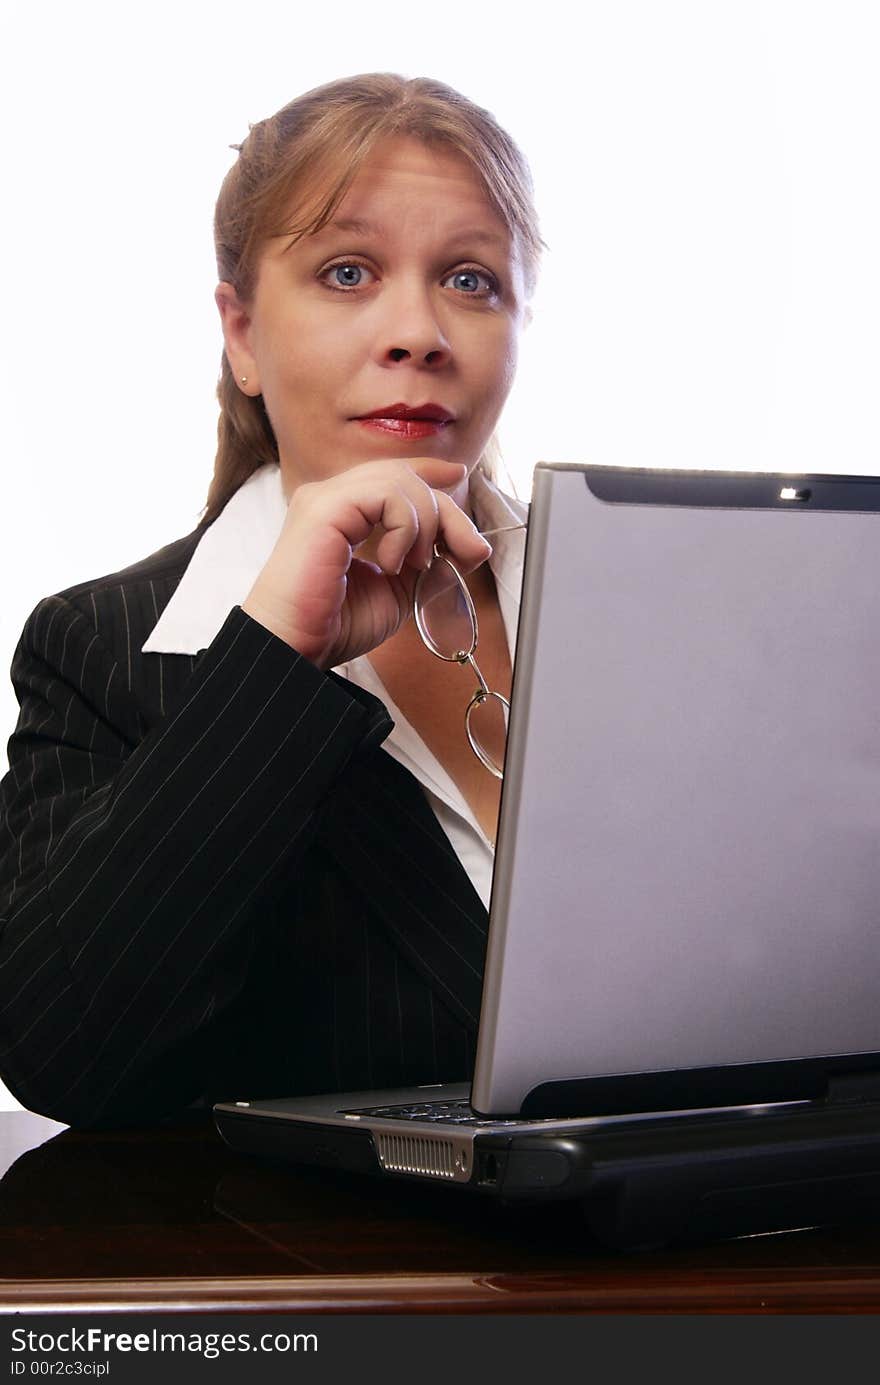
(168, 1216)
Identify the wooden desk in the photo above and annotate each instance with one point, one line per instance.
(170, 1220)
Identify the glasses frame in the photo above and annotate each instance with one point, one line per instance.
(483, 692)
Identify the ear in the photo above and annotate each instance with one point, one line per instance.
(237, 337)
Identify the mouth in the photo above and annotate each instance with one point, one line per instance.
(414, 413)
(403, 428)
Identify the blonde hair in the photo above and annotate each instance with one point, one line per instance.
(288, 158)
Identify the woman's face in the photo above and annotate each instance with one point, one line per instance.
(423, 306)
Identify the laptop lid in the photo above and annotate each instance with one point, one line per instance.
(686, 898)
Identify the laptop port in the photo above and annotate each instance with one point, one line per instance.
(488, 1170)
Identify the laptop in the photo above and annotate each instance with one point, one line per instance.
(680, 1022)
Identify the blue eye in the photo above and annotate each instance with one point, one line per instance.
(465, 274)
(468, 273)
(349, 267)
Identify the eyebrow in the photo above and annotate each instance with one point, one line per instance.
(360, 227)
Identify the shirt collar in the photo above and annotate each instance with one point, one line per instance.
(223, 568)
(235, 548)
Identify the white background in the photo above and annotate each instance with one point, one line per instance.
(707, 180)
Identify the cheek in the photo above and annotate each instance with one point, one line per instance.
(296, 338)
(500, 365)
(301, 366)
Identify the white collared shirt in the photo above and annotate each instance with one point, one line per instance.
(225, 566)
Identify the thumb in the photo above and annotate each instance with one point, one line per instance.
(437, 470)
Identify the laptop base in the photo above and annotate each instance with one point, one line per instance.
(646, 1181)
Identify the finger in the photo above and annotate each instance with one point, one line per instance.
(409, 533)
(425, 499)
(438, 474)
(399, 518)
(460, 537)
(358, 505)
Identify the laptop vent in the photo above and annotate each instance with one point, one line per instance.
(412, 1154)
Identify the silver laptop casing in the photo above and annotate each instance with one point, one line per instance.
(688, 872)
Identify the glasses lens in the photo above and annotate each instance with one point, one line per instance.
(446, 621)
(487, 729)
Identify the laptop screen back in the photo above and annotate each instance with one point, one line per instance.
(688, 870)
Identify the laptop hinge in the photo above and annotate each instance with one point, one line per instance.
(848, 1087)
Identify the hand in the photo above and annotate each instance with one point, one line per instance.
(331, 605)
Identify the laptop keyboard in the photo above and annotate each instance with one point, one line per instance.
(450, 1112)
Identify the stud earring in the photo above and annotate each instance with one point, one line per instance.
(243, 379)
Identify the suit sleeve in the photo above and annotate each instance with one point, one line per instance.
(131, 869)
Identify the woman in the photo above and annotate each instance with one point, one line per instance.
(225, 867)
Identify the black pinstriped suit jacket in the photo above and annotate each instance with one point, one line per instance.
(214, 882)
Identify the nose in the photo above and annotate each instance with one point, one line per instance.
(400, 353)
(411, 330)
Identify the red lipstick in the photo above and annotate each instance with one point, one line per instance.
(408, 420)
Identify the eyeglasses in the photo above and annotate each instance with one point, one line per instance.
(447, 622)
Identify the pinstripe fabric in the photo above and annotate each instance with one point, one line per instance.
(213, 880)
